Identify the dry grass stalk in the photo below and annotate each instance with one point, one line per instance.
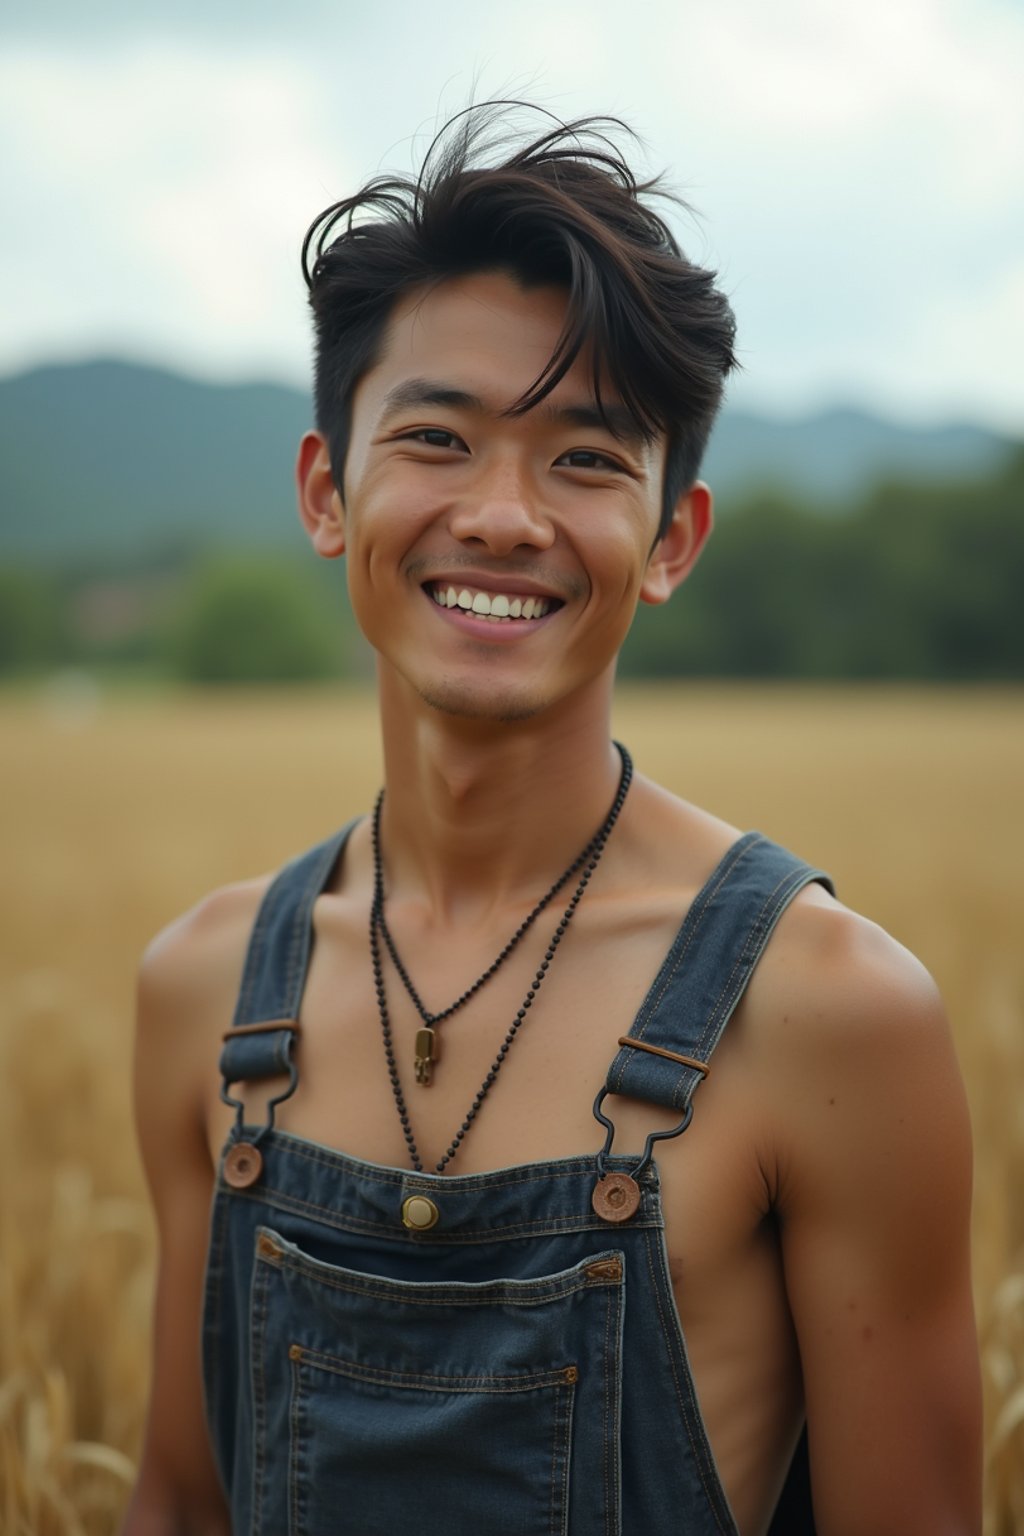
(128, 814)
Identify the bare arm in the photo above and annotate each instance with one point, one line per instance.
(183, 990)
(873, 1192)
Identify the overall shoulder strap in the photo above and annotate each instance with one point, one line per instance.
(666, 1053)
(276, 963)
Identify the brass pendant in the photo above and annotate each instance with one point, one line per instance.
(427, 1053)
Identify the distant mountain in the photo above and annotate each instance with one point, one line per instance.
(832, 457)
(109, 460)
(107, 457)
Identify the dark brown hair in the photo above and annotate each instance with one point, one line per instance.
(564, 209)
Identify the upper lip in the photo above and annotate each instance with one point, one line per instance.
(481, 581)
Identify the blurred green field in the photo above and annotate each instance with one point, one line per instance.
(119, 812)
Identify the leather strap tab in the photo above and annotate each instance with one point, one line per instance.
(723, 936)
(262, 1036)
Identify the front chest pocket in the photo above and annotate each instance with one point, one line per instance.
(382, 1406)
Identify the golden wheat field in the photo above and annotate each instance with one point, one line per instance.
(119, 812)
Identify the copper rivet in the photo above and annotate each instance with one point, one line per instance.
(295, 1352)
(571, 1374)
(266, 1247)
(616, 1197)
(419, 1213)
(243, 1165)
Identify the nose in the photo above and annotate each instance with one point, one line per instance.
(501, 511)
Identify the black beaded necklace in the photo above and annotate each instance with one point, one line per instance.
(427, 1042)
(425, 1047)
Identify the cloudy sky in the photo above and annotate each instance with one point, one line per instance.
(858, 170)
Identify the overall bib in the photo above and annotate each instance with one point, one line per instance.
(387, 1351)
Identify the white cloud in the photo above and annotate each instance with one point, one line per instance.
(857, 169)
(169, 193)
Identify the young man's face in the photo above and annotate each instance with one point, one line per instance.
(546, 520)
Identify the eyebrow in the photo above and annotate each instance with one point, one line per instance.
(613, 418)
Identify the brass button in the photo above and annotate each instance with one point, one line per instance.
(616, 1197)
(243, 1165)
(419, 1213)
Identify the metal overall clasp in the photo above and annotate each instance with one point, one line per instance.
(243, 1164)
(616, 1196)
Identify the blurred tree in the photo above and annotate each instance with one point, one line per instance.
(254, 619)
(919, 581)
(31, 620)
(953, 561)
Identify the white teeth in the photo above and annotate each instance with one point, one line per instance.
(496, 606)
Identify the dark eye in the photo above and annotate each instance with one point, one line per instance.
(437, 437)
(588, 458)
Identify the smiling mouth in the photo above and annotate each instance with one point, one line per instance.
(497, 607)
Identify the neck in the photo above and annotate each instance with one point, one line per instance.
(481, 814)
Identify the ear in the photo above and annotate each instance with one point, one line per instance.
(320, 508)
(678, 549)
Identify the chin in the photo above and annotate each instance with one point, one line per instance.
(467, 704)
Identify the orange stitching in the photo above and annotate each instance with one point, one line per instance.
(295, 1425)
(381, 1375)
(429, 1301)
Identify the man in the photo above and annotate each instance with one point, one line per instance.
(434, 1292)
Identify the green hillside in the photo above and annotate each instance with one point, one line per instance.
(149, 530)
(108, 460)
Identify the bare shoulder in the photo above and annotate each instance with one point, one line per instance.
(187, 982)
(850, 1028)
(834, 987)
(203, 945)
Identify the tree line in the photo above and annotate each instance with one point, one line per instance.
(915, 581)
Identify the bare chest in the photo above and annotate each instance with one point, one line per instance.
(515, 1069)
(506, 1088)
(538, 1106)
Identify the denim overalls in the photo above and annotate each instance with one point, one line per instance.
(386, 1351)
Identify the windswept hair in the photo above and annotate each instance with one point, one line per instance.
(563, 209)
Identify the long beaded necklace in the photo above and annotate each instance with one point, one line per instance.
(427, 1042)
(589, 858)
